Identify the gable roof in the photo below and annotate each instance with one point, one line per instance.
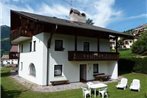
(68, 23)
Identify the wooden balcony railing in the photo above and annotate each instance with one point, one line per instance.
(13, 55)
(16, 34)
(91, 56)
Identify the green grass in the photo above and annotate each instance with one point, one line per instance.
(126, 53)
(12, 89)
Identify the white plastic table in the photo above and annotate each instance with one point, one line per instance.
(96, 86)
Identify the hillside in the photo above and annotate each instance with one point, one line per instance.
(136, 29)
(5, 39)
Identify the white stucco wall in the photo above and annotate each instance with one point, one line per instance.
(71, 69)
(38, 58)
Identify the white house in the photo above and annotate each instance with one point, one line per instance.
(53, 49)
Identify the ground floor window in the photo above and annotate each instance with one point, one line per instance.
(95, 68)
(32, 70)
(58, 70)
(21, 65)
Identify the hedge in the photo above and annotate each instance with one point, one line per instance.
(132, 65)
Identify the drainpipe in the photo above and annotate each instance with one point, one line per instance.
(48, 46)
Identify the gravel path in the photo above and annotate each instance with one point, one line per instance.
(51, 88)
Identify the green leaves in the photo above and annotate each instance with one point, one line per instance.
(140, 46)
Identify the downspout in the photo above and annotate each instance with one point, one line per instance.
(48, 46)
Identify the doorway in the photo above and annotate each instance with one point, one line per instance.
(83, 73)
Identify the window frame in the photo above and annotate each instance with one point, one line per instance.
(21, 66)
(55, 75)
(30, 46)
(86, 46)
(21, 48)
(31, 71)
(97, 68)
(34, 45)
(57, 47)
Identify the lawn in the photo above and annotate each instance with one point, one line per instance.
(126, 53)
(12, 89)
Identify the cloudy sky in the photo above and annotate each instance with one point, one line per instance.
(118, 15)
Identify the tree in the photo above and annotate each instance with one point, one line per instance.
(89, 21)
(140, 46)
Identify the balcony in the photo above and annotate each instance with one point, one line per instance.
(91, 56)
(13, 55)
(17, 36)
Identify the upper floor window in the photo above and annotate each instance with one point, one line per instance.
(95, 68)
(86, 46)
(21, 47)
(59, 45)
(30, 46)
(58, 70)
(34, 45)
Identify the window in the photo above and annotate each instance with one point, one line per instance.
(34, 45)
(95, 68)
(21, 66)
(32, 70)
(30, 46)
(126, 42)
(59, 45)
(21, 47)
(58, 70)
(86, 46)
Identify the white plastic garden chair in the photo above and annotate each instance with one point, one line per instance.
(135, 85)
(103, 92)
(123, 83)
(89, 83)
(86, 92)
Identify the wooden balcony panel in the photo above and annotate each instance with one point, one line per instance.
(91, 56)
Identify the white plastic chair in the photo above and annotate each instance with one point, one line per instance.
(123, 83)
(89, 83)
(135, 85)
(86, 92)
(103, 92)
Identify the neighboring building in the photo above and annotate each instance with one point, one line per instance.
(53, 49)
(5, 60)
(14, 55)
(127, 43)
(11, 59)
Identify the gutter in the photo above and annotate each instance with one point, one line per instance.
(48, 46)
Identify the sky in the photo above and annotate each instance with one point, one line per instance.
(119, 15)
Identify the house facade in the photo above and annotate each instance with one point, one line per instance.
(53, 49)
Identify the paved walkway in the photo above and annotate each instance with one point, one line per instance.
(51, 88)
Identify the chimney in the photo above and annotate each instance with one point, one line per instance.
(76, 16)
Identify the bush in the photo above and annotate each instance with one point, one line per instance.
(132, 65)
(140, 46)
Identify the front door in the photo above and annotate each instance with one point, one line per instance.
(83, 73)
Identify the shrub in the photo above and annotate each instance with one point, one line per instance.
(132, 65)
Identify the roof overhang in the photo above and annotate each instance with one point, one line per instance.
(68, 27)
